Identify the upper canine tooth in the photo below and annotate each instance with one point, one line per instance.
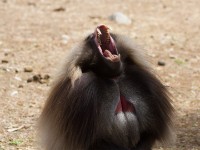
(98, 31)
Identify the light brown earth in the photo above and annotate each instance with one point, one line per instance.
(37, 34)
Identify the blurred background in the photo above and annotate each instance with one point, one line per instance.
(36, 35)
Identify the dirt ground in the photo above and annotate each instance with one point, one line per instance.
(36, 35)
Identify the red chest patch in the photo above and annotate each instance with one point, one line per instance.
(124, 106)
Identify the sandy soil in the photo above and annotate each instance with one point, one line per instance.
(35, 36)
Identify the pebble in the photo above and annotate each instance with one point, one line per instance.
(29, 80)
(59, 9)
(31, 4)
(46, 76)
(6, 69)
(20, 86)
(6, 54)
(120, 18)
(161, 63)
(172, 56)
(65, 39)
(39, 78)
(18, 78)
(4, 61)
(16, 71)
(43, 81)
(28, 69)
(14, 93)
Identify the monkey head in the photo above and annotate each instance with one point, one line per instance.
(105, 60)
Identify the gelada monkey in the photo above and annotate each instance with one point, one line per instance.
(106, 98)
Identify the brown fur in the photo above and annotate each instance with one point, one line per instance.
(78, 114)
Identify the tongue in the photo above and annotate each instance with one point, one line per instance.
(110, 56)
(107, 53)
(124, 106)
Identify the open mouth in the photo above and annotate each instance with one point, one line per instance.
(106, 44)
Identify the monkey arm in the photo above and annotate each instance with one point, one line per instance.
(152, 104)
(71, 116)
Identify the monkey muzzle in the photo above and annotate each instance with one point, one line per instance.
(106, 44)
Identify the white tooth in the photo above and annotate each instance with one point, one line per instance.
(110, 28)
(98, 31)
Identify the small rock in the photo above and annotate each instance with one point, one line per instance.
(46, 76)
(5, 69)
(172, 44)
(151, 36)
(14, 93)
(36, 45)
(28, 69)
(59, 9)
(20, 103)
(172, 56)
(161, 63)
(186, 60)
(6, 54)
(42, 81)
(29, 80)
(31, 4)
(120, 18)
(4, 61)
(164, 6)
(18, 78)
(20, 86)
(65, 39)
(37, 77)
(16, 71)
